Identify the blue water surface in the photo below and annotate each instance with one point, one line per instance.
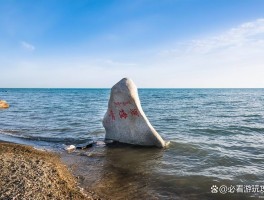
(216, 135)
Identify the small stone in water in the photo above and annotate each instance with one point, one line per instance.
(70, 148)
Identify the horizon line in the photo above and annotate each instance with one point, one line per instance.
(138, 88)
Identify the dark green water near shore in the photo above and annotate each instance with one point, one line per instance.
(216, 136)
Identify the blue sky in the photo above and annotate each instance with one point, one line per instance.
(157, 43)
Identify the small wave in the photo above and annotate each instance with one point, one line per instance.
(10, 131)
(247, 129)
(13, 133)
(188, 148)
(212, 131)
(252, 115)
(66, 140)
(172, 119)
(98, 132)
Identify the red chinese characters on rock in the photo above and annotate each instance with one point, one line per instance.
(112, 115)
(122, 114)
(134, 112)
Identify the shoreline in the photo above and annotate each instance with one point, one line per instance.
(28, 173)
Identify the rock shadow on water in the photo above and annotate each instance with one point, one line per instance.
(126, 171)
(116, 171)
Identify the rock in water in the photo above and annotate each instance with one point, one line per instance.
(70, 148)
(3, 104)
(125, 121)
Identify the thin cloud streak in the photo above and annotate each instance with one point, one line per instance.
(247, 34)
(27, 46)
(250, 34)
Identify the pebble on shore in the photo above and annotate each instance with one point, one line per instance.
(4, 104)
(27, 173)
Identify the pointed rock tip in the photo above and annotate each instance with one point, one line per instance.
(126, 80)
(125, 84)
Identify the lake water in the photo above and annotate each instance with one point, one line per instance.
(216, 135)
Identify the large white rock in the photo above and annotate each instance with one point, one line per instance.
(125, 121)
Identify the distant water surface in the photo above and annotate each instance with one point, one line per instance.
(216, 135)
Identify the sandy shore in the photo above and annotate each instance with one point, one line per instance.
(27, 173)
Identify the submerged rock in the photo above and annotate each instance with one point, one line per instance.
(4, 104)
(125, 121)
(70, 148)
(85, 145)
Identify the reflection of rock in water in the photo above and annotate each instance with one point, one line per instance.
(116, 172)
(125, 173)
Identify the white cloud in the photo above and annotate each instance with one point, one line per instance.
(250, 34)
(233, 58)
(27, 46)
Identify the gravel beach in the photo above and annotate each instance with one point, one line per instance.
(27, 173)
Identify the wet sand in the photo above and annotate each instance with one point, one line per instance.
(27, 173)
